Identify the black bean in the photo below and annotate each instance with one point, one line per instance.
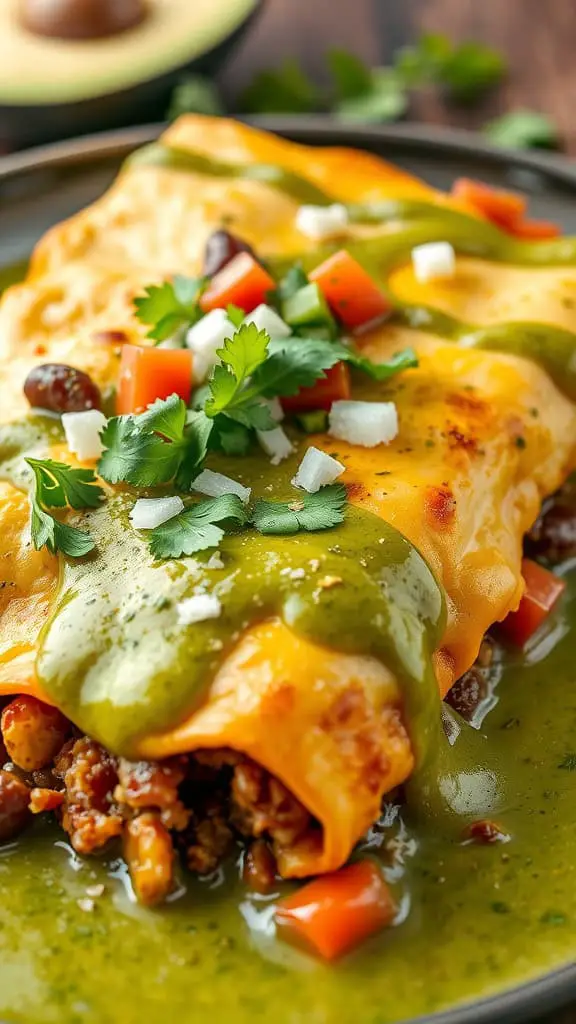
(60, 388)
(467, 693)
(221, 248)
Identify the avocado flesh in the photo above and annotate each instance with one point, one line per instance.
(67, 71)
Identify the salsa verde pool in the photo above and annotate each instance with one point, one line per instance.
(476, 918)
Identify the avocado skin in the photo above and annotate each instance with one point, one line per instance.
(23, 125)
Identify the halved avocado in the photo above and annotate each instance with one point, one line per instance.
(53, 87)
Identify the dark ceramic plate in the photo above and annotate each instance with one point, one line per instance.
(42, 186)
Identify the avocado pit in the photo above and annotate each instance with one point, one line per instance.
(80, 19)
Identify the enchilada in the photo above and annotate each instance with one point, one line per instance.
(331, 682)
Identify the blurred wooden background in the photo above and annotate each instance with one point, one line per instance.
(538, 38)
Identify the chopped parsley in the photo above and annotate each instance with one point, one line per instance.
(196, 528)
(312, 512)
(57, 485)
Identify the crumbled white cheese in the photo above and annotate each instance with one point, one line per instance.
(198, 609)
(82, 431)
(267, 319)
(363, 423)
(151, 512)
(433, 260)
(316, 470)
(205, 337)
(215, 484)
(276, 444)
(319, 222)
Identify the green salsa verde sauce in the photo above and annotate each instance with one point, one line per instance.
(471, 919)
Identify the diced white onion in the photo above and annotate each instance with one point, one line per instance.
(316, 470)
(267, 319)
(82, 430)
(363, 423)
(276, 410)
(151, 512)
(198, 609)
(276, 444)
(433, 260)
(319, 222)
(216, 484)
(205, 337)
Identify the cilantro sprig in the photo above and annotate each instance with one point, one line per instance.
(57, 485)
(167, 442)
(196, 528)
(204, 524)
(168, 307)
(311, 512)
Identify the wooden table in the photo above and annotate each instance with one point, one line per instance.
(538, 38)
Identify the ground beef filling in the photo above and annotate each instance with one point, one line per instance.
(198, 806)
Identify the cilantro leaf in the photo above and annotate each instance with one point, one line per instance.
(50, 533)
(470, 70)
(161, 444)
(235, 315)
(244, 352)
(351, 76)
(523, 129)
(386, 99)
(423, 61)
(194, 448)
(169, 306)
(404, 360)
(195, 529)
(287, 90)
(240, 358)
(294, 363)
(166, 416)
(135, 456)
(194, 95)
(58, 485)
(293, 280)
(311, 512)
(466, 70)
(229, 436)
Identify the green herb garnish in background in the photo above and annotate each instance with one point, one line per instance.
(319, 511)
(196, 528)
(375, 95)
(57, 485)
(523, 129)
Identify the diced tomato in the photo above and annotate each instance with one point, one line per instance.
(353, 296)
(543, 590)
(148, 373)
(496, 204)
(242, 282)
(336, 912)
(505, 209)
(535, 230)
(334, 386)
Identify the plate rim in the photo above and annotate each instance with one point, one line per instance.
(314, 128)
(554, 989)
